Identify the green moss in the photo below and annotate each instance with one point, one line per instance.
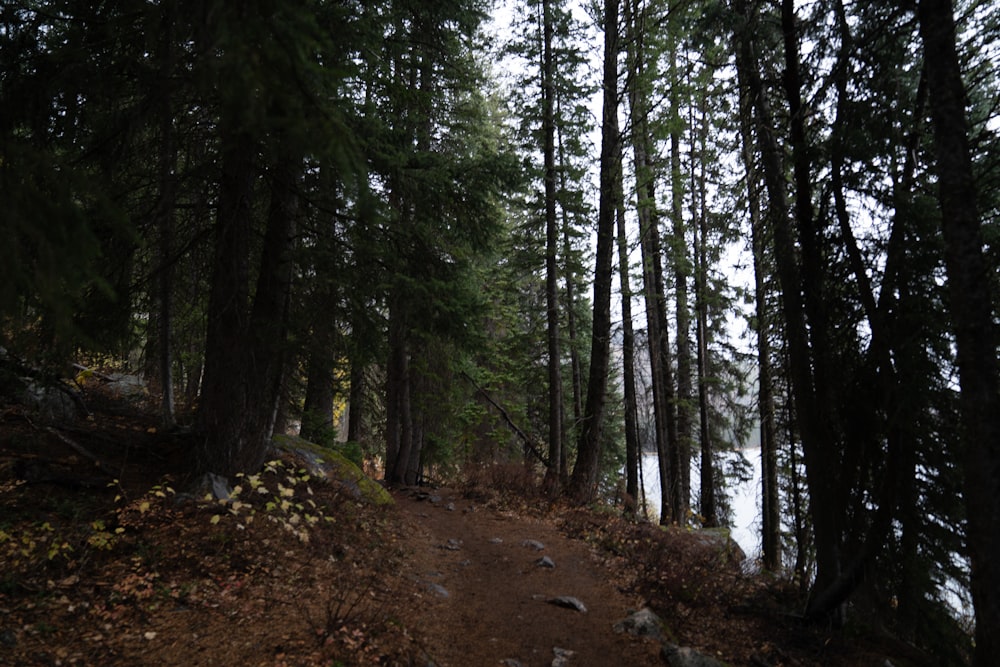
(331, 464)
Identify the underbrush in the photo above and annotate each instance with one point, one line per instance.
(295, 562)
(502, 483)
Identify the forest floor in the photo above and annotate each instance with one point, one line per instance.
(105, 561)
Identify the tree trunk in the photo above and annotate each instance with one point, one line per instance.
(818, 443)
(972, 312)
(555, 421)
(228, 448)
(585, 472)
(770, 500)
(633, 455)
(165, 217)
(576, 372)
(652, 268)
(397, 413)
(356, 402)
(317, 406)
(681, 454)
(709, 510)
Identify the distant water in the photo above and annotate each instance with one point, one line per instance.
(746, 521)
(744, 499)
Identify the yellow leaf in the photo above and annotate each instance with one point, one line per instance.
(144, 507)
(215, 519)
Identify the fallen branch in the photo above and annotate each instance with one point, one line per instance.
(529, 445)
(82, 451)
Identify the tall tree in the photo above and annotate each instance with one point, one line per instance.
(633, 451)
(585, 471)
(554, 472)
(973, 314)
(770, 507)
(680, 461)
(654, 290)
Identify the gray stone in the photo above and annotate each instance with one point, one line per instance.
(453, 545)
(126, 386)
(496, 540)
(533, 544)
(568, 602)
(545, 561)
(55, 404)
(215, 485)
(450, 507)
(682, 656)
(438, 590)
(511, 662)
(643, 623)
(562, 656)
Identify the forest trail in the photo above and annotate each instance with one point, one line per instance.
(484, 597)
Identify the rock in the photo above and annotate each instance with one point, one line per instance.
(450, 507)
(55, 404)
(453, 545)
(438, 590)
(533, 544)
(568, 602)
(511, 662)
(721, 541)
(496, 540)
(562, 656)
(545, 561)
(643, 623)
(211, 484)
(131, 387)
(331, 465)
(682, 656)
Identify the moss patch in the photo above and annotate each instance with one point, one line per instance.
(324, 462)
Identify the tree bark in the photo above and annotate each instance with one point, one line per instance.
(709, 512)
(555, 420)
(633, 455)
(652, 267)
(972, 311)
(165, 216)
(585, 473)
(227, 447)
(680, 463)
(817, 442)
(397, 412)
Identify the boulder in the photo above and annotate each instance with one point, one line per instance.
(56, 403)
(643, 623)
(331, 465)
(721, 541)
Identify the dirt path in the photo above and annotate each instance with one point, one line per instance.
(485, 597)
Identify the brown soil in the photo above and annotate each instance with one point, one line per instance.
(124, 572)
(497, 606)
